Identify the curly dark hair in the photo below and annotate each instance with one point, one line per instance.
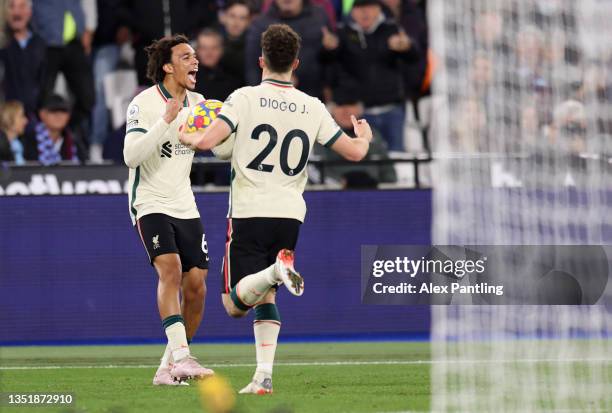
(160, 53)
(280, 45)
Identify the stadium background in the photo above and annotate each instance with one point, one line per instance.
(522, 86)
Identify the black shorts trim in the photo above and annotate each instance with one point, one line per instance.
(252, 244)
(162, 234)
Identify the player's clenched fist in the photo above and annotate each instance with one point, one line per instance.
(173, 107)
(190, 140)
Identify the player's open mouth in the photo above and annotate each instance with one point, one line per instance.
(192, 75)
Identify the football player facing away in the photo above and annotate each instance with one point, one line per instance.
(275, 127)
(161, 202)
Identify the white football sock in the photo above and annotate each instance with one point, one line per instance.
(167, 357)
(266, 336)
(177, 340)
(252, 288)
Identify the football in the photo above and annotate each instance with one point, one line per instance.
(202, 115)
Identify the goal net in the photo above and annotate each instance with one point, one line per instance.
(522, 137)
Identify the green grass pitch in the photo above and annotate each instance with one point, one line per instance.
(310, 377)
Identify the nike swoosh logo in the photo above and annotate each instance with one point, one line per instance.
(255, 292)
(266, 344)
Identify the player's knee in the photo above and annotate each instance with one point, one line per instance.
(195, 292)
(169, 274)
(171, 277)
(234, 313)
(232, 310)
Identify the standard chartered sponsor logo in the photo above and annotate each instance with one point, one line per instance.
(179, 149)
(166, 150)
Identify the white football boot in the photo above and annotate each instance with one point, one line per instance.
(287, 274)
(164, 378)
(255, 387)
(189, 368)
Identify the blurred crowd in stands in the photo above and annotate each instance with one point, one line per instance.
(367, 57)
(529, 76)
(370, 58)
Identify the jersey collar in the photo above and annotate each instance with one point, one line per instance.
(166, 95)
(278, 83)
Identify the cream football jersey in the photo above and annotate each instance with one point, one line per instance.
(275, 129)
(160, 183)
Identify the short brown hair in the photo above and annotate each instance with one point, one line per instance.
(208, 32)
(160, 53)
(280, 45)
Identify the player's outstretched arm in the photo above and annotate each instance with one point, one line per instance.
(139, 146)
(354, 149)
(207, 138)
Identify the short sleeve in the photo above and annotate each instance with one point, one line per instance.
(136, 119)
(329, 131)
(233, 107)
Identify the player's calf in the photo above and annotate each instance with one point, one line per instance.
(252, 289)
(194, 296)
(194, 293)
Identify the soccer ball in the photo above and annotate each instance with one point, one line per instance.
(202, 115)
(217, 395)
